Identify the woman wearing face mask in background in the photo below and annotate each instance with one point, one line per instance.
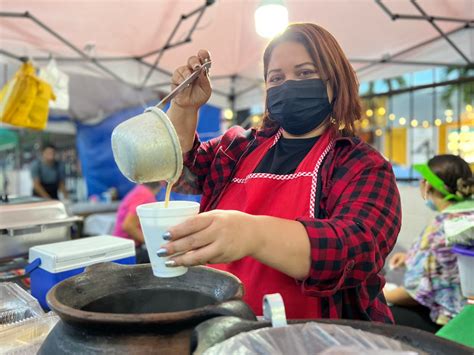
(299, 206)
(431, 295)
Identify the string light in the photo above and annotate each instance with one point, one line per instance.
(255, 119)
(378, 132)
(381, 111)
(391, 117)
(369, 113)
(468, 108)
(414, 123)
(228, 114)
(448, 112)
(364, 123)
(449, 119)
(402, 121)
(437, 122)
(425, 124)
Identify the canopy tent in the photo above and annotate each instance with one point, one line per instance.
(113, 44)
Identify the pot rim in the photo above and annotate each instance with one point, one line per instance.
(71, 314)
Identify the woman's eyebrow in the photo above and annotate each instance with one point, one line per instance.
(306, 63)
(273, 70)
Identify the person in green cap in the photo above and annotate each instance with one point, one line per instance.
(431, 294)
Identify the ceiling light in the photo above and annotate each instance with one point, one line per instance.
(271, 18)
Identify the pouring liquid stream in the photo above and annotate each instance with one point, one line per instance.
(169, 186)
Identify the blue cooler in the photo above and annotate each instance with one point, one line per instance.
(49, 264)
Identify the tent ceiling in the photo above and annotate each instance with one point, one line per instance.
(133, 28)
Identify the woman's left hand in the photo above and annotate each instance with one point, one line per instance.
(218, 236)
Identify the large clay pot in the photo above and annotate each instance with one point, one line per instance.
(125, 309)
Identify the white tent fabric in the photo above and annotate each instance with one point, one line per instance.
(133, 28)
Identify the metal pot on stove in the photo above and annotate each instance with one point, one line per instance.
(125, 309)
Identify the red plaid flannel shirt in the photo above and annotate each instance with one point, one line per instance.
(359, 217)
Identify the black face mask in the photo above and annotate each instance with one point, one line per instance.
(299, 106)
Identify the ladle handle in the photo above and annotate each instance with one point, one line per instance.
(188, 81)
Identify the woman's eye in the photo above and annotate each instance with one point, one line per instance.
(307, 72)
(275, 79)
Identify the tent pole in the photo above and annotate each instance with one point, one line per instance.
(421, 87)
(424, 16)
(441, 32)
(168, 44)
(13, 14)
(74, 48)
(11, 55)
(232, 96)
(406, 62)
(248, 89)
(409, 49)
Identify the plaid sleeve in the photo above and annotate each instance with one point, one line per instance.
(196, 166)
(364, 218)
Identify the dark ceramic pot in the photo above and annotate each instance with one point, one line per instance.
(126, 309)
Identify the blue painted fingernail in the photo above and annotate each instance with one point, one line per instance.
(161, 252)
(170, 263)
(166, 236)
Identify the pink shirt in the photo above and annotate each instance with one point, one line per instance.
(138, 196)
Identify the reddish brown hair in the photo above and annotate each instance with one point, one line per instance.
(333, 67)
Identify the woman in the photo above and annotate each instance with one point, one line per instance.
(299, 207)
(127, 224)
(431, 295)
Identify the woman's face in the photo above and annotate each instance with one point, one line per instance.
(291, 61)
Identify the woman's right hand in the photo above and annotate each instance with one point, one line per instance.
(397, 260)
(200, 90)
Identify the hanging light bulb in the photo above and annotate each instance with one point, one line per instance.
(402, 121)
(369, 113)
(392, 117)
(228, 114)
(271, 18)
(425, 124)
(437, 122)
(414, 123)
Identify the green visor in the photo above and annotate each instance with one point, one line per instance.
(435, 181)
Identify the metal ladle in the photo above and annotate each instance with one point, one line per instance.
(146, 147)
